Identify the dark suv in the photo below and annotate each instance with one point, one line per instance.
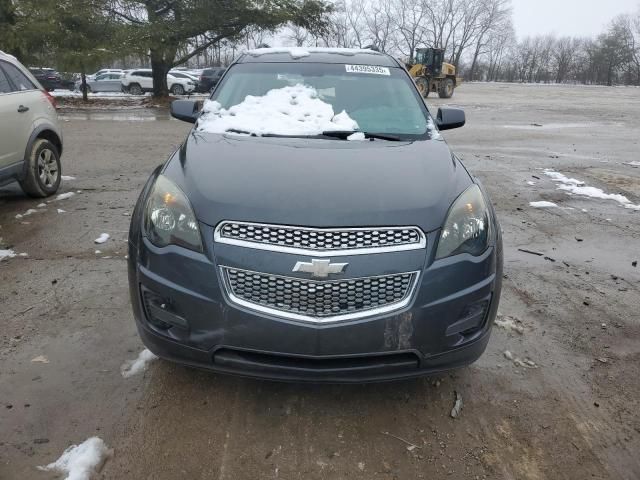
(314, 225)
(47, 77)
(209, 78)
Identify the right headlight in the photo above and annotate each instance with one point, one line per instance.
(468, 226)
(169, 218)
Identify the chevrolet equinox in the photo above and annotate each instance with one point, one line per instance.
(314, 225)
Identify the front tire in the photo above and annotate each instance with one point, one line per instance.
(43, 170)
(446, 88)
(135, 89)
(423, 86)
(177, 89)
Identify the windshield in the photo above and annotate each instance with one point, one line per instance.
(378, 99)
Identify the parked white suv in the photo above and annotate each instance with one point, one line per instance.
(139, 81)
(30, 135)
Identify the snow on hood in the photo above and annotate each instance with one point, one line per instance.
(81, 462)
(291, 110)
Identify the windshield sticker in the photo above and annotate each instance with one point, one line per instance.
(367, 69)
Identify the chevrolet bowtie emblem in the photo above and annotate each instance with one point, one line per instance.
(320, 268)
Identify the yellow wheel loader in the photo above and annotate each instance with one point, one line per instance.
(432, 73)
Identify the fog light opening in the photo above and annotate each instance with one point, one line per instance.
(472, 319)
(160, 311)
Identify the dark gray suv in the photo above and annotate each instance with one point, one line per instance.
(315, 226)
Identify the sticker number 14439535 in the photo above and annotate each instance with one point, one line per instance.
(367, 69)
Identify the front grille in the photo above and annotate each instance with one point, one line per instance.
(319, 301)
(331, 240)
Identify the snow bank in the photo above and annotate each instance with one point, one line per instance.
(542, 204)
(102, 238)
(6, 254)
(291, 110)
(577, 187)
(133, 367)
(82, 461)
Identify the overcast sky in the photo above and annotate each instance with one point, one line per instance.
(567, 17)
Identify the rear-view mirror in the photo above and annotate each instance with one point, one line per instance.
(185, 110)
(449, 118)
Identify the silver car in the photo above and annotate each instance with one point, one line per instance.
(106, 82)
(30, 135)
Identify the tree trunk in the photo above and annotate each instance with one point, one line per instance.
(83, 87)
(160, 66)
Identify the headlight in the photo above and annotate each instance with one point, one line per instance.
(467, 228)
(169, 218)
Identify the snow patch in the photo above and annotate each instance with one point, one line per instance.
(102, 238)
(291, 110)
(6, 254)
(357, 137)
(64, 196)
(635, 163)
(542, 204)
(61, 211)
(530, 183)
(41, 205)
(27, 213)
(82, 461)
(577, 187)
(518, 362)
(133, 367)
(509, 323)
(67, 178)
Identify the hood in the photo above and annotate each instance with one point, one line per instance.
(318, 182)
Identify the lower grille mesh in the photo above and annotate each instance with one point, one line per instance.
(319, 299)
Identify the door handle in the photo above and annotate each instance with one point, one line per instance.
(22, 109)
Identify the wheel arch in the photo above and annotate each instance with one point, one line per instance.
(46, 132)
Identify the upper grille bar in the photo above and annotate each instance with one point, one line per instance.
(320, 241)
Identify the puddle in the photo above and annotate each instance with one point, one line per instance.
(559, 126)
(128, 116)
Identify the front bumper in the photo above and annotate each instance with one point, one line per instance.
(446, 325)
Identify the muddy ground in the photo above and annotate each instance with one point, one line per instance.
(575, 416)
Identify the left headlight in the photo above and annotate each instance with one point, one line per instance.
(169, 218)
(468, 226)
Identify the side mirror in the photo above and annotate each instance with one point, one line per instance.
(185, 110)
(449, 118)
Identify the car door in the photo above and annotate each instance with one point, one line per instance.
(107, 83)
(98, 83)
(146, 80)
(16, 115)
(114, 84)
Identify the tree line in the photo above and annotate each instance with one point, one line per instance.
(477, 36)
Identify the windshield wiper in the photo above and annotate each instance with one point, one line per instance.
(242, 132)
(346, 133)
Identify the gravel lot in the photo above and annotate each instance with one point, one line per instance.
(572, 416)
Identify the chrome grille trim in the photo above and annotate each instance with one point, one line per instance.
(282, 311)
(320, 242)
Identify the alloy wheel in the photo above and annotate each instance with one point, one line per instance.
(47, 168)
